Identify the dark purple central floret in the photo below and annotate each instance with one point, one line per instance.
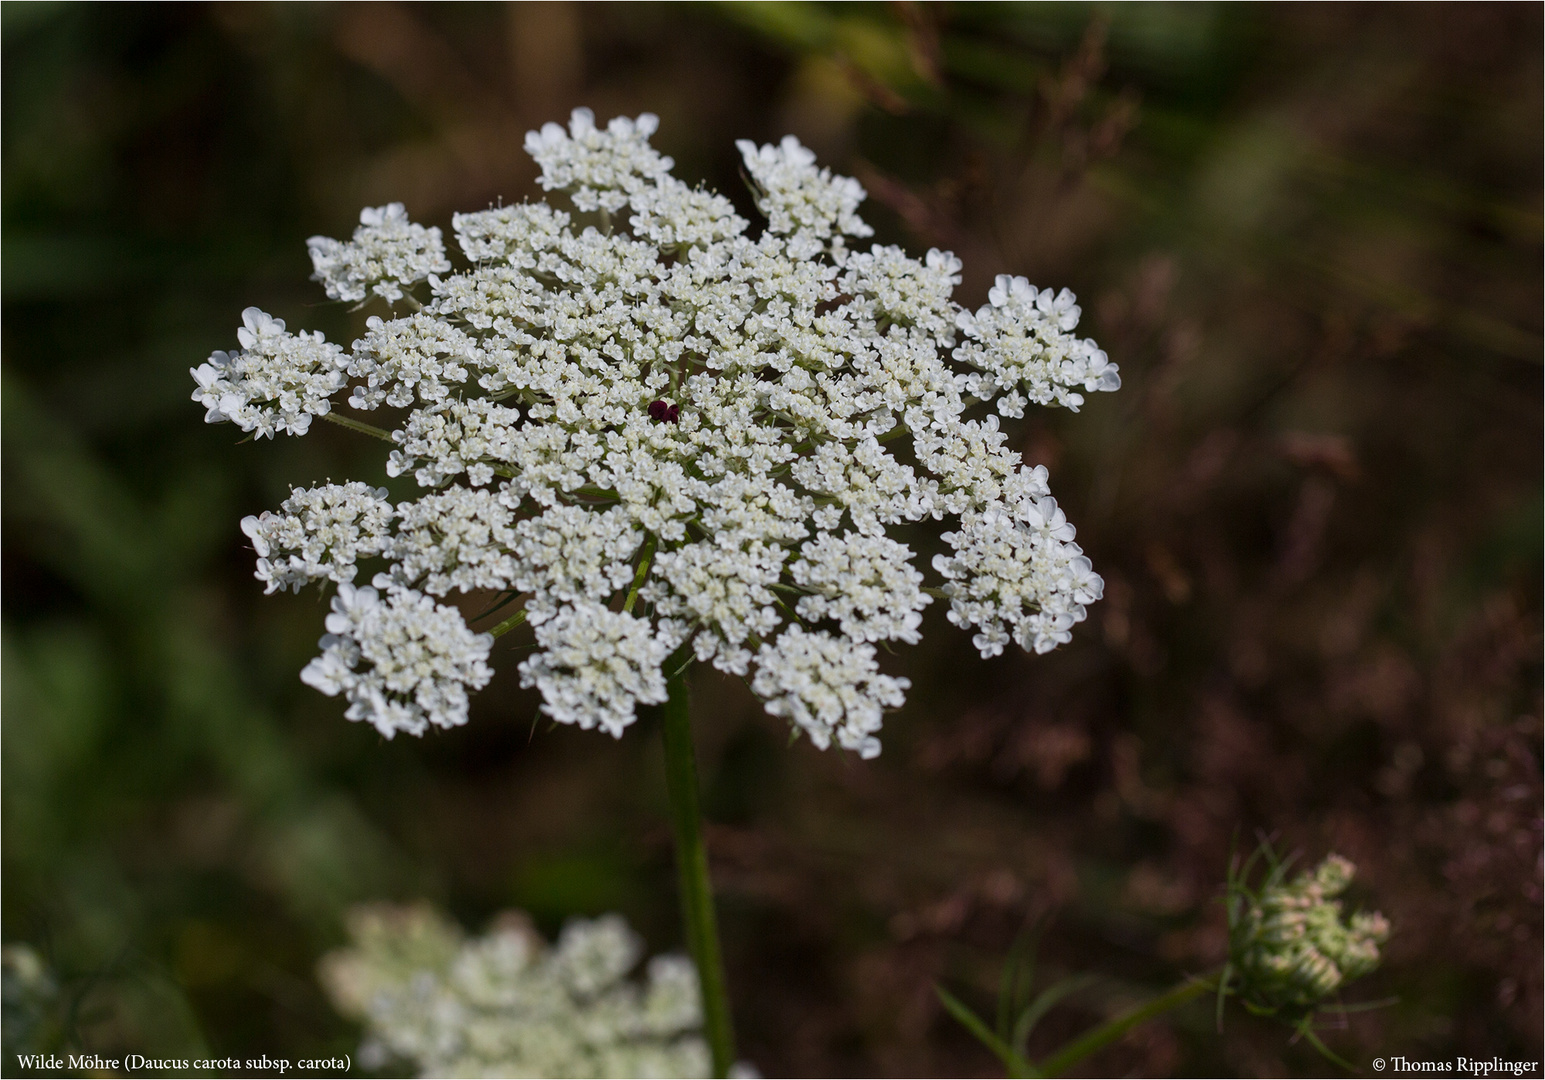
(662, 413)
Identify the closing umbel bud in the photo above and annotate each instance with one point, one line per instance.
(1289, 945)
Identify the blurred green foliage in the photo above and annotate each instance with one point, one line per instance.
(1310, 236)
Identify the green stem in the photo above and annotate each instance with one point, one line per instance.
(638, 578)
(509, 624)
(1099, 1038)
(692, 866)
(359, 425)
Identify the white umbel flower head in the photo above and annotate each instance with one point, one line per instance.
(664, 435)
(596, 665)
(598, 168)
(387, 254)
(866, 584)
(320, 534)
(508, 1004)
(1017, 575)
(277, 382)
(799, 198)
(1023, 347)
(829, 686)
(421, 659)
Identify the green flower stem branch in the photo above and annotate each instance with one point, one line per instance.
(509, 624)
(1097, 1039)
(1091, 1042)
(640, 576)
(358, 425)
(692, 868)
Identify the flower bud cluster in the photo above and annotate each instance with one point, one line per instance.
(658, 430)
(507, 1004)
(1292, 949)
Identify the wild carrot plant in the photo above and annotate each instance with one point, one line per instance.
(659, 436)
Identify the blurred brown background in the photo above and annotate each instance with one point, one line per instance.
(1311, 237)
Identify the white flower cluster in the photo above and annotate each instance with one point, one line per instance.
(599, 170)
(827, 685)
(662, 433)
(800, 200)
(388, 253)
(320, 534)
(420, 655)
(277, 382)
(1023, 346)
(596, 665)
(506, 1004)
(1017, 575)
(1291, 947)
